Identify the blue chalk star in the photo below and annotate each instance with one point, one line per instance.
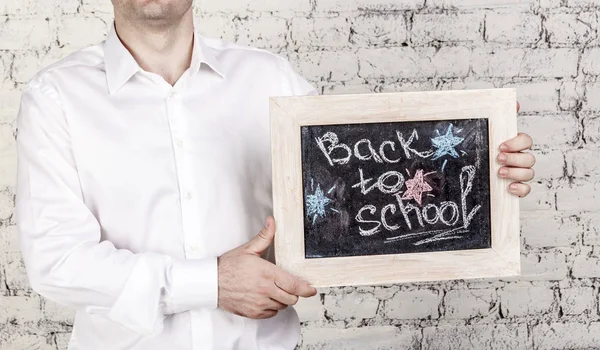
(316, 204)
(445, 144)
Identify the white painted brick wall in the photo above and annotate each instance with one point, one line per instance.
(549, 50)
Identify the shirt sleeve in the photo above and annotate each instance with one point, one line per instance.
(66, 259)
(293, 83)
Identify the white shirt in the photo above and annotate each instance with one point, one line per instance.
(129, 188)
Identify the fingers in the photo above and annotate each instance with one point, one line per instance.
(283, 297)
(264, 314)
(293, 285)
(518, 106)
(263, 240)
(520, 160)
(516, 174)
(519, 189)
(518, 143)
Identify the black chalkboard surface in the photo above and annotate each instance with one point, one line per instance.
(393, 188)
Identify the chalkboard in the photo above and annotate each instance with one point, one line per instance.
(395, 187)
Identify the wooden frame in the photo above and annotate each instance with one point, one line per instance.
(288, 114)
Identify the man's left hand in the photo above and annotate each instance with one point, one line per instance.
(516, 164)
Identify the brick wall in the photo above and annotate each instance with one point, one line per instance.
(548, 49)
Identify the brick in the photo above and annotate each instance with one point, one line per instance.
(592, 101)
(541, 267)
(583, 162)
(511, 28)
(579, 196)
(16, 277)
(541, 197)
(417, 63)
(26, 65)
(476, 337)
(238, 6)
(320, 32)
(536, 96)
(566, 335)
(550, 63)
(413, 304)
(57, 313)
(7, 138)
(8, 169)
(309, 309)
(586, 267)
(10, 101)
(211, 25)
(9, 239)
(428, 28)
(578, 301)
(79, 32)
(549, 164)
(589, 61)
(7, 203)
(551, 230)
(352, 305)
(62, 340)
(591, 235)
(47, 7)
(101, 6)
(24, 33)
(348, 89)
(464, 303)
(520, 301)
(20, 309)
(263, 32)
(565, 28)
(383, 337)
(6, 58)
(469, 4)
(583, 3)
(365, 5)
(550, 3)
(16, 339)
(558, 129)
(591, 131)
(570, 95)
(328, 65)
(378, 30)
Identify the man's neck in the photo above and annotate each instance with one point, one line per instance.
(164, 49)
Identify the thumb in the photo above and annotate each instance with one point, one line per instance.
(263, 239)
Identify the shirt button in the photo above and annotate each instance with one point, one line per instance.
(179, 143)
(188, 195)
(173, 95)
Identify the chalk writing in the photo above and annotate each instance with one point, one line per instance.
(416, 186)
(445, 144)
(396, 187)
(316, 203)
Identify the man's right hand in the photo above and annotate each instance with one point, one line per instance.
(252, 287)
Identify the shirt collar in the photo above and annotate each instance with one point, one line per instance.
(121, 66)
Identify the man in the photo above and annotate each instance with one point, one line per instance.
(143, 164)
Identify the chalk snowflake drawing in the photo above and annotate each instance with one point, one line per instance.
(416, 187)
(317, 202)
(445, 144)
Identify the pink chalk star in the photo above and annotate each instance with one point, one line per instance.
(416, 186)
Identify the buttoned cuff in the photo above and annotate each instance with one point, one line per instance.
(194, 284)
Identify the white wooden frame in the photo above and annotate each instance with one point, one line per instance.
(288, 114)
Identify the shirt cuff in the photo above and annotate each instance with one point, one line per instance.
(194, 284)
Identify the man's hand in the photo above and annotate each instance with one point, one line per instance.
(252, 287)
(517, 165)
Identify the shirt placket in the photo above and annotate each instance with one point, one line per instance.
(189, 192)
(183, 166)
